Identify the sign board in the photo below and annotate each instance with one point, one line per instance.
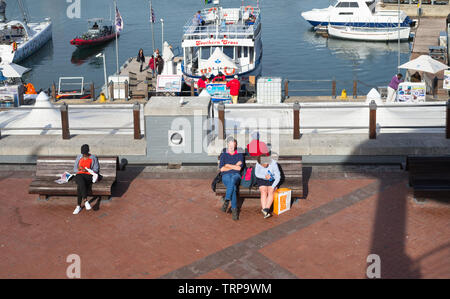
(446, 79)
(411, 92)
(218, 92)
(218, 43)
(168, 83)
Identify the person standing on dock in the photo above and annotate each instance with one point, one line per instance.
(141, 58)
(2, 11)
(393, 86)
(159, 64)
(201, 84)
(152, 65)
(234, 86)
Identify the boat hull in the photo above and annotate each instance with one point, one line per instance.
(26, 49)
(82, 43)
(369, 34)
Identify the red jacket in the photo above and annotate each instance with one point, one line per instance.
(201, 83)
(234, 86)
(219, 78)
(151, 64)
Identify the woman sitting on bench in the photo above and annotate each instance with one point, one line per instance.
(86, 168)
(267, 177)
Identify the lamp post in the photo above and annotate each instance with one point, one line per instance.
(162, 33)
(104, 71)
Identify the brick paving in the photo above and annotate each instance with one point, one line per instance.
(170, 226)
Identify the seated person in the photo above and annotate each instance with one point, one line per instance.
(219, 78)
(256, 147)
(86, 166)
(231, 163)
(95, 26)
(267, 178)
(416, 77)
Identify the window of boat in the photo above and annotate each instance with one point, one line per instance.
(343, 4)
(354, 4)
(252, 54)
(229, 51)
(206, 53)
(239, 52)
(245, 51)
(346, 13)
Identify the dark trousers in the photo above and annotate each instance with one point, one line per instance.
(84, 183)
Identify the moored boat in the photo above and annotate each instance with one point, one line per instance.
(97, 34)
(369, 34)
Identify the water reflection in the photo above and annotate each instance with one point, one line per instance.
(81, 55)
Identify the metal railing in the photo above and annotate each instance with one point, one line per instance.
(372, 126)
(65, 129)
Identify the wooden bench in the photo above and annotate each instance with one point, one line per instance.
(291, 177)
(428, 174)
(49, 169)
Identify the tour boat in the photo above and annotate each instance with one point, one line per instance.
(20, 39)
(369, 34)
(357, 13)
(229, 42)
(97, 34)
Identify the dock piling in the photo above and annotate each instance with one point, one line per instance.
(286, 88)
(65, 121)
(333, 88)
(92, 91)
(355, 89)
(373, 120)
(296, 121)
(126, 90)
(54, 91)
(192, 89)
(137, 120)
(111, 90)
(221, 108)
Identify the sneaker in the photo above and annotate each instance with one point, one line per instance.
(267, 213)
(226, 203)
(235, 214)
(264, 212)
(77, 210)
(87, 205)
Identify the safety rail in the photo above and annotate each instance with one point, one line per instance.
(372, 126)
(65, 129)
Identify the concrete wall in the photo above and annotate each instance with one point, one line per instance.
(412, 11)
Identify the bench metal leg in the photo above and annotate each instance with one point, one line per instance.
(43, 197)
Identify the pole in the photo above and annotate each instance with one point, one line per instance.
(372, 120)
(137, 120)
(398, 42)
(65, 121)
(104, 72)
(117, 45)
(221, 108)
(447, 129)
(153, 30)
(296, 133)
(162, 33)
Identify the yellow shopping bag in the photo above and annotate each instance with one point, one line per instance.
(282, 201)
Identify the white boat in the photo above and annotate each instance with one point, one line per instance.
(228, 42)
(369, 34)
(18, 39)
(357, 13)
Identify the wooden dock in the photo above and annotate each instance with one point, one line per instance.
(427, 34)
(143, 84)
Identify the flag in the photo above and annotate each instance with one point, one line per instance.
(119, 21)
(152, 15)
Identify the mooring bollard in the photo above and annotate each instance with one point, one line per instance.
(333, 89)
(92, 91)
(192, 88)
(373, 120)
(286, 88)
(221, 108)
(137, 120)
(448, 120)
(355, 89)
(126, 90)
(296, 120)
(111, 90)
(53, 91)
(65, 121)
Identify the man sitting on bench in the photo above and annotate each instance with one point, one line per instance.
(86, 168)
(231, 163)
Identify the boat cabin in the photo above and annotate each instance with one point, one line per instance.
(13, 31)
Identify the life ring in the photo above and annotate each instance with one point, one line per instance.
(14, 46)
(250, 7)
(229, 73)
(205, 71)
(212, 8)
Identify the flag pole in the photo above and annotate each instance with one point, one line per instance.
(117, 45)
(153, 30)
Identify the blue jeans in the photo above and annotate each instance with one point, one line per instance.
(231, 181)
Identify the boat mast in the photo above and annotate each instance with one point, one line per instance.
(24, 11)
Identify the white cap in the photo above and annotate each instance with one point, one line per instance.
(236, 76)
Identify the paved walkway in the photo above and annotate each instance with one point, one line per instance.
(163, 225)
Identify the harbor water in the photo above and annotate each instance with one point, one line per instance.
(290, 48)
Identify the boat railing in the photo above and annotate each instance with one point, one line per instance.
(240, 69)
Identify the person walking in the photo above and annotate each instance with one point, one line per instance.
(159, 64)
(231, 163)
(152, 65)
(86, 168)
(234, 86)
(141, 58)
(393, 86)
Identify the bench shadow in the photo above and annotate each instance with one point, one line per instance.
(125, 177)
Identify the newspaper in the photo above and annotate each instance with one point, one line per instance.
(65, 177)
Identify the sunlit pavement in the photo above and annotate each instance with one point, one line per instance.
(162, 225)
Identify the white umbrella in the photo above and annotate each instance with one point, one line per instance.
(424, 63)
(13, 70)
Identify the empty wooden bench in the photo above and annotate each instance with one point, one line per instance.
(291, 177)
(428, 174)
(49, 169)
